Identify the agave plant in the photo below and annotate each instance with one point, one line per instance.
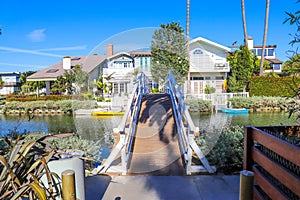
(22, 168)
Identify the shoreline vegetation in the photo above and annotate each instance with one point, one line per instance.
(59, 107)
(254, 104)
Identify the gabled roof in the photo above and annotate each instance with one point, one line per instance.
(200, 39)
(273, 60)
(140, 53)
(87, 63)
(117, 55)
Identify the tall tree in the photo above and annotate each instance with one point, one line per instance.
(294, 19)
(292, 66)
(244, 23)
(188, 5)
(243, 65)
(168, 49)
(266, 24)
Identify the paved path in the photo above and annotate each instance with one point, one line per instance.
(202, 187)
(156, 149)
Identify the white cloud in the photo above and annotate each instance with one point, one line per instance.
(37, 35)
(82, 47)
(24, 65)
(17, 50)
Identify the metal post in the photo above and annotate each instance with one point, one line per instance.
(246, 185)
(68, 185)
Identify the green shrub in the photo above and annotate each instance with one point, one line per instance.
(261, 102)
(22, 167)
(209, 89)
(198, 105)
(154, 90)
(88, 95)
(227, 152)
(100, 99)
(273, 86)
(66, 106)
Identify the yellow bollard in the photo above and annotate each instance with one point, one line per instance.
(68, 185)
(246, 185)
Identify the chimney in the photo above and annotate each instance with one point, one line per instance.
(110, 50)
(250, 42)
(67, 62)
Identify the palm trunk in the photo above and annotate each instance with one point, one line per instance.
(244, 23)
(261, 70)
(188, 44)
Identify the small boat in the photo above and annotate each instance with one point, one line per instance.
(235, 110)
(107, 113)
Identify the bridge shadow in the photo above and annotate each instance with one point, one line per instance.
(156, 111)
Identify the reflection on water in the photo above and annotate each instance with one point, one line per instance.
(90, 128)
(208, 122)
(99, 128)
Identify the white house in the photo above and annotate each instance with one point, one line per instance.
(121, 68)
(11, 82)
(208, 65)
(270, 55)
(89, 64)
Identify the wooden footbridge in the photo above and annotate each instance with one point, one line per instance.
(156, 135)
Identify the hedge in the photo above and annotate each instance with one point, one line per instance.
(273, 86)
(32, 97)
(64, 105)
(199, 105)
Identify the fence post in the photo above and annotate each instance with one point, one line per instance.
(68, 185)
(246, 185)
(248, 144)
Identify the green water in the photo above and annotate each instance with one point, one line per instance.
(94, 128)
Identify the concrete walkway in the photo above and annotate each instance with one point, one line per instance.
(200, 187)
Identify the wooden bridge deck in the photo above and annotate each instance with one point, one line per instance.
(156, 147)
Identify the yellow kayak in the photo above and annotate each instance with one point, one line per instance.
(107, 113)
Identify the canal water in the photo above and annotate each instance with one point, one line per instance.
(98, 128)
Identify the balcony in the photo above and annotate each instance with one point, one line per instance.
(10, 84)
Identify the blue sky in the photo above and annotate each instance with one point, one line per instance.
(36, 34)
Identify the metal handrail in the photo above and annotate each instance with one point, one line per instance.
(186, 134)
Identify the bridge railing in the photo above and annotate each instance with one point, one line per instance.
(185, 132)
(128, 125)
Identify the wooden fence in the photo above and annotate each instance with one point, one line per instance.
(273, 154)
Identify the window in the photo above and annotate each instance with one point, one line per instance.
(146, 63)
(207, 78)
(197, 51)
(141, 62)
(270, 52)
(219, 77)
(52, 71)
(259, 52)
(197, 78)
(276, 66)
(125, 65)
(116, 88)
(122, 87)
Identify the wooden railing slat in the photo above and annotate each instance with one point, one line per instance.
(267, 187)
(257, 195)
(277, 171)
(281, 147)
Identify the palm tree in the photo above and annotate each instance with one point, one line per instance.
(261, 70)
(244, 23)
(188, 44)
